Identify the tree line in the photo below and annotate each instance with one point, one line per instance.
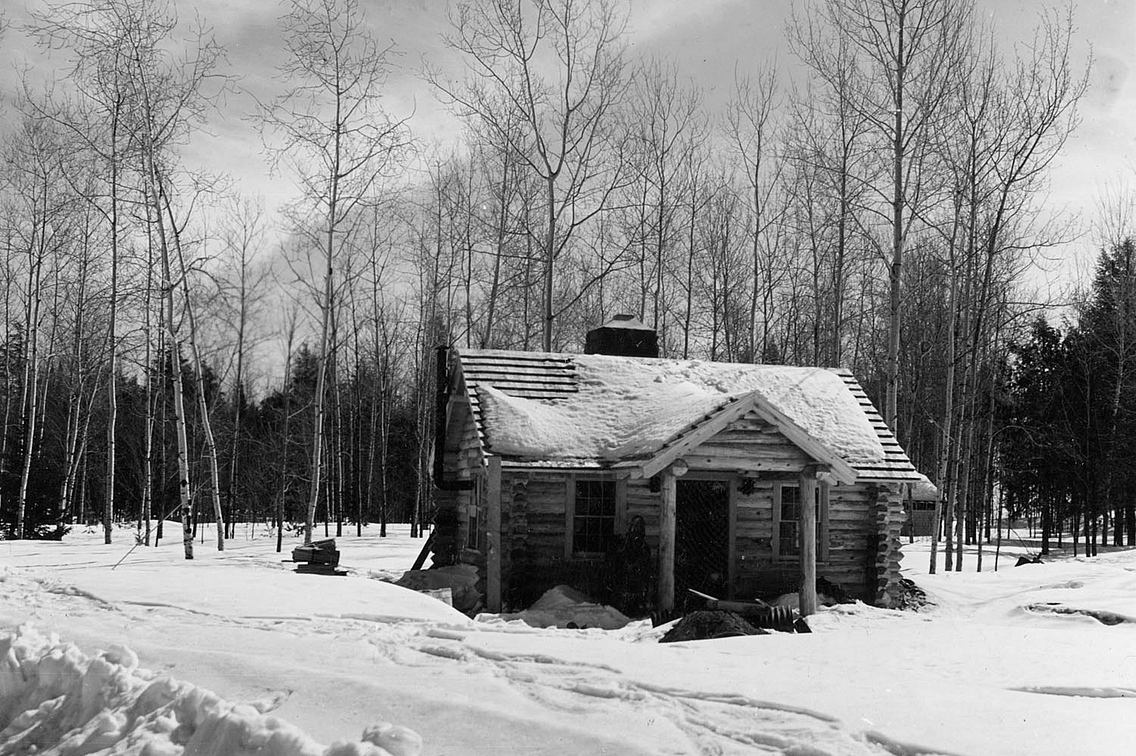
(875, 205)
(1069, 415)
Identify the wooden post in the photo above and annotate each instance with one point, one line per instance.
(493, 536)
(807, 596)
(667, 513)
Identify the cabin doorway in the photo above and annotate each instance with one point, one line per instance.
(702, 540)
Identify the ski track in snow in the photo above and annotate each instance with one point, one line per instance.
(713, 723)
(710, 720)
(1079, 692)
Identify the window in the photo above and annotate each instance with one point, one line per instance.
(593, 516)
(790, 525)
(787, 520)
(471, 532)
(473, 517)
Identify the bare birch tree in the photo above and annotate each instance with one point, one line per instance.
(170, 95)
(333, 134)
(751, 131)
(242, 289)
(907, 52)
(554, 67)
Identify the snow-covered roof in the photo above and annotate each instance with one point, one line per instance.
(924, 490)
(576, 410)
(627, 322)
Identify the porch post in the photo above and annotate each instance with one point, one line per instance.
(807, 596)
(493, 536)
(667, 542)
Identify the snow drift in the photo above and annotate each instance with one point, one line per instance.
(54, 699)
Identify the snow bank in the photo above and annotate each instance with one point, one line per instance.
(54, 699)
(627, 407)
(566, 607)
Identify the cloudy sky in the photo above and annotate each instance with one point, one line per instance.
(710, 39)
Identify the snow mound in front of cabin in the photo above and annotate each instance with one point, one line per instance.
(565, 607)
(54, 699)
(630, 407)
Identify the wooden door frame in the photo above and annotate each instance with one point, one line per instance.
(732, 481)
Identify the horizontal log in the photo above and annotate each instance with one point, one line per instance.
(762, 436)
(715, 464)
(748, 454)
(850, 519)
(750, 424)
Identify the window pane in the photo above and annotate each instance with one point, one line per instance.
(471, 534)
(789, 543)
(594, 523)
(789, 534)
(790, 503)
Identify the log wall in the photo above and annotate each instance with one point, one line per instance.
(534, 536)
(851, 526)
(462, 455)
(889, 524)
(862, 550)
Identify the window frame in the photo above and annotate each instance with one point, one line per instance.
(474, 537)
(823, 505)
(619, 507)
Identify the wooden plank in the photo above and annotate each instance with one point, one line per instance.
(823, 530)
(786, 452)
(569, 515)
(500, 382)
(775, 530)
(492, 356)
(754, 512)
(734, 436)
(518, 368)
(667, 542)
(750, 423)
(493, 537)
(559, 382)
(531, 393)
(732, 537)
(742, 466)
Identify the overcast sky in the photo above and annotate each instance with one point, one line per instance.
(709, 38)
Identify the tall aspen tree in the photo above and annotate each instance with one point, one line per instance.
(331, 131)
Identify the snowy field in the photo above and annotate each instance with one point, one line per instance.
(234, 653)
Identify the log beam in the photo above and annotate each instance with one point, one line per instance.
(807, 596)
(493, 536)
(667, 512)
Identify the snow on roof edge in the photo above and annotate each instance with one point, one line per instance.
(670, 396)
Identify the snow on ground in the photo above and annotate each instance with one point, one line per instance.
(238, 651)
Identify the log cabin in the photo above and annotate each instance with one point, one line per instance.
(549, 465)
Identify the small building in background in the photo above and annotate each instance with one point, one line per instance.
(920, 503)
(634, 478)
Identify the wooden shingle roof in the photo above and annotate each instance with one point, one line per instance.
(584, 387)
(895, 465)
(531, 375)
